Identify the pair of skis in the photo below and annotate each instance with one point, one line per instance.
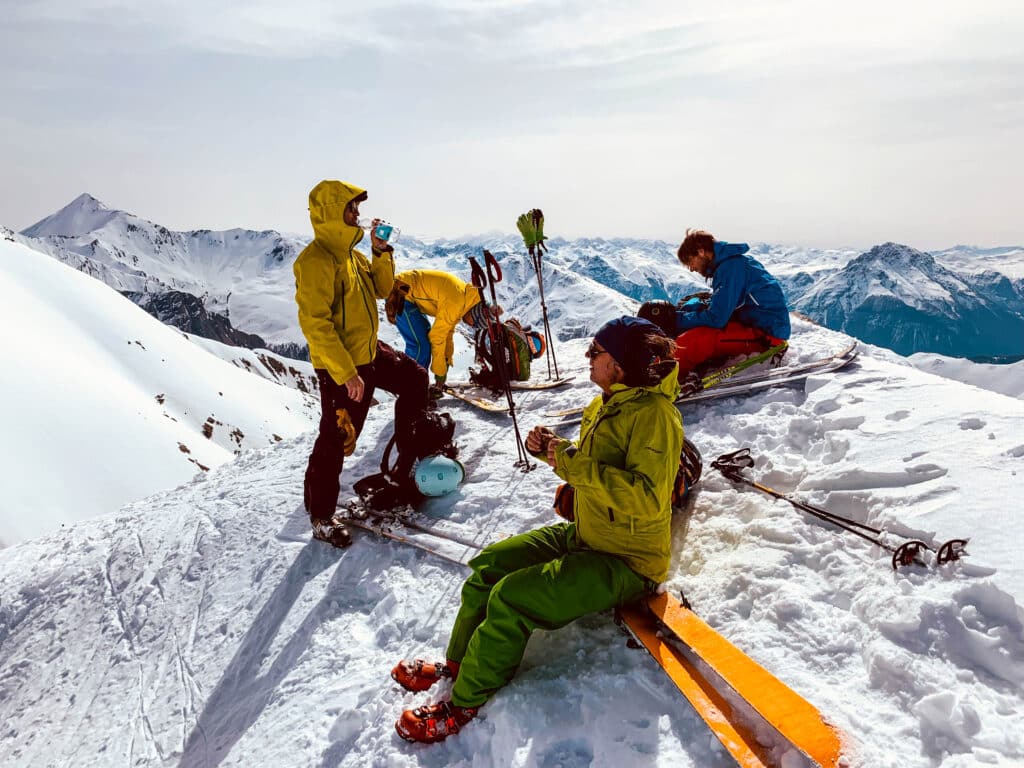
(400, 525)
(470, 393)
(740, 700)
(721, 384)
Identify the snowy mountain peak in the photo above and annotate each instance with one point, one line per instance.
(896, 257)
(83, 214)
(903, 298)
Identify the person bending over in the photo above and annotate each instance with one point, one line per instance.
(422, 293)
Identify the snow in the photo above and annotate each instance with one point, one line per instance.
(1006, 379)
(102, 404)
(202, 626)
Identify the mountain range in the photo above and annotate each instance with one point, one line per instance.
(237, 284)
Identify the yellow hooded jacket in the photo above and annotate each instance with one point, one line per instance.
(336, 286)
(445, 298)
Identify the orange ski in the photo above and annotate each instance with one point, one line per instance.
(792, 716)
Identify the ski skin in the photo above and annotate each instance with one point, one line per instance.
(792, 716)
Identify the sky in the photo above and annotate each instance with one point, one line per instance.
(796, 122)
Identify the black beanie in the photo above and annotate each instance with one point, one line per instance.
(621, 338)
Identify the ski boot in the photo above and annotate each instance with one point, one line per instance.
(419, 675)
(332, 530)
(434, 722)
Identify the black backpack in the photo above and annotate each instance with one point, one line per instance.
(690, 467)
(518, 347)
(430, 435)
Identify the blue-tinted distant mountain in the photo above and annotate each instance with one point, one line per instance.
(901, 298)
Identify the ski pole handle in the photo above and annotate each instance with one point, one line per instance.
(492, 262)
(731, 464)
(479, 276)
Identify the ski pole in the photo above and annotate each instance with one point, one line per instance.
(732, 464)
(498, 347)
(536, 254)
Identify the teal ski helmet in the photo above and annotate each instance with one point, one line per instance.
(438, 475)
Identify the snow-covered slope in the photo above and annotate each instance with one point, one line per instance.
(101, 404)
(1005, 379)
(202, 627)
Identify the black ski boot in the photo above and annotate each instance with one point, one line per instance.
(332, 530)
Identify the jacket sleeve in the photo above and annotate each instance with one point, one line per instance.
(382, 270)
(442, 344)
(314, 294)
(635, 486)
(729, 282)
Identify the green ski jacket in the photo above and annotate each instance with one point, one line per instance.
(623, 468)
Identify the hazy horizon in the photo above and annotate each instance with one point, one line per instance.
(793, 123)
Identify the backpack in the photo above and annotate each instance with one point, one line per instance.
(431, 435)
(518, 346)
(687, 476)
(690, 466)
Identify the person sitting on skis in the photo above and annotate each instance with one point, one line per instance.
(422, 293)
(614, 549)
(746, 313)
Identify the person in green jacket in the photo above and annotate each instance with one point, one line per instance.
(336, 290)
(614, 548)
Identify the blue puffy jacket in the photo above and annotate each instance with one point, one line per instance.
(741, 290)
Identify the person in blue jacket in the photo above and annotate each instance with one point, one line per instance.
(746, 312)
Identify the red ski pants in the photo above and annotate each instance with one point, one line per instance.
(698, 345)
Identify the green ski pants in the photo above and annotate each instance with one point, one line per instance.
(543, 579)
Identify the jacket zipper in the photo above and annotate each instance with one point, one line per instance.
(370, 311)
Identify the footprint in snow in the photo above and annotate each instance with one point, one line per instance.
(972, 423)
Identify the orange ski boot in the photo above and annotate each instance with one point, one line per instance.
(434, 722)
(419, 675)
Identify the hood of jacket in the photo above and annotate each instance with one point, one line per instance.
(327, 202)
(724, 250)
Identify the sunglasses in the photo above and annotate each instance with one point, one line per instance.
(593, 351)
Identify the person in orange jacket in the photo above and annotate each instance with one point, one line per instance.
(336, 289)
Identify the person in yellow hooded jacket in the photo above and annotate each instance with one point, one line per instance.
(614, 548)
(422, 293)
(336, 289)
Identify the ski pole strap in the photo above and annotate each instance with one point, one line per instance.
(732, 464)
(492, 264)
(479, 277)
